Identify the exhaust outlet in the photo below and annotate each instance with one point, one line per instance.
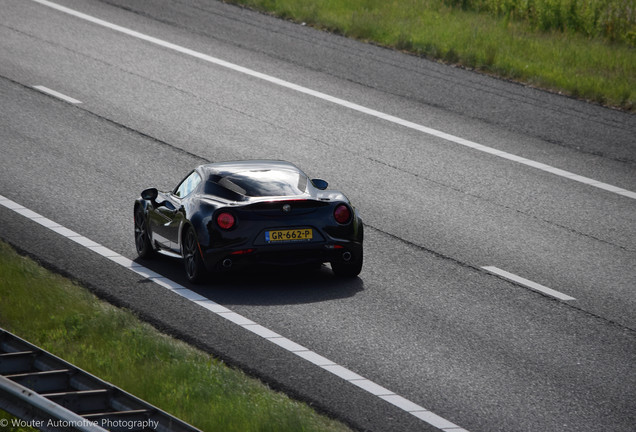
(227, 263)
(346, 256)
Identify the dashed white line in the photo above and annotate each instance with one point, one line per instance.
(341, 102)
(244, 322)
(56, 94)
(528, 283)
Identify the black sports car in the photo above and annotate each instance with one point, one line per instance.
(226, 215)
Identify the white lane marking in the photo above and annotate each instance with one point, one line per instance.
(244, 322)
(341, 102)
(528, 283)
(56, 94)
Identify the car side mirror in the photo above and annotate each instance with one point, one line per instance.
(320, 184)
(150, 194)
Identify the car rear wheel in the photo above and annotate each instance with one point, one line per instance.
(348, 269)
(194, 266)
(142, 239)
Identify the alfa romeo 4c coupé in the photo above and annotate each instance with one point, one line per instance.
(244, 214)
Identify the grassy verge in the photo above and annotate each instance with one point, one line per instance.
(585, 52)
(113, 344)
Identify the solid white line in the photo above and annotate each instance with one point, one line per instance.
(341, 102)
(528, 283)
(244, 322)
(56, 94)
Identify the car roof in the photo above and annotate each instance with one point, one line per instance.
(224, 169)
(253, 179)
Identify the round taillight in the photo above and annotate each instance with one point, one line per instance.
(342, 213)
(225, 220)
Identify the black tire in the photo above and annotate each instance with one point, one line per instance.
(192, 260)
(348, 269)
(142, 239)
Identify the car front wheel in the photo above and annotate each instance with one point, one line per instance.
(194, 266)
(142, 239)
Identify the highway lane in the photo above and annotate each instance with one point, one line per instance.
(426, 322)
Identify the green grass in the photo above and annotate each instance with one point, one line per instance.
(583, 48)
(72, 323)
(613, 20)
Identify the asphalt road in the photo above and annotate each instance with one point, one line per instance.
(424, 319)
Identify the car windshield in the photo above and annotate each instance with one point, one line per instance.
(265, 182)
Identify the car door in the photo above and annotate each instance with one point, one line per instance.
(161, 219)
(174, 212)
(166, 221)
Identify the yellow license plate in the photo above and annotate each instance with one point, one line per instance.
(303, 234)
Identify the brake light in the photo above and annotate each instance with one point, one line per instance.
(242, 252)
(342, 214)
(225, 220)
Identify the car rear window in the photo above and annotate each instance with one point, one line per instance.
(266, 182)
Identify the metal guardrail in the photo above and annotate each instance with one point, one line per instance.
(50, 394)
